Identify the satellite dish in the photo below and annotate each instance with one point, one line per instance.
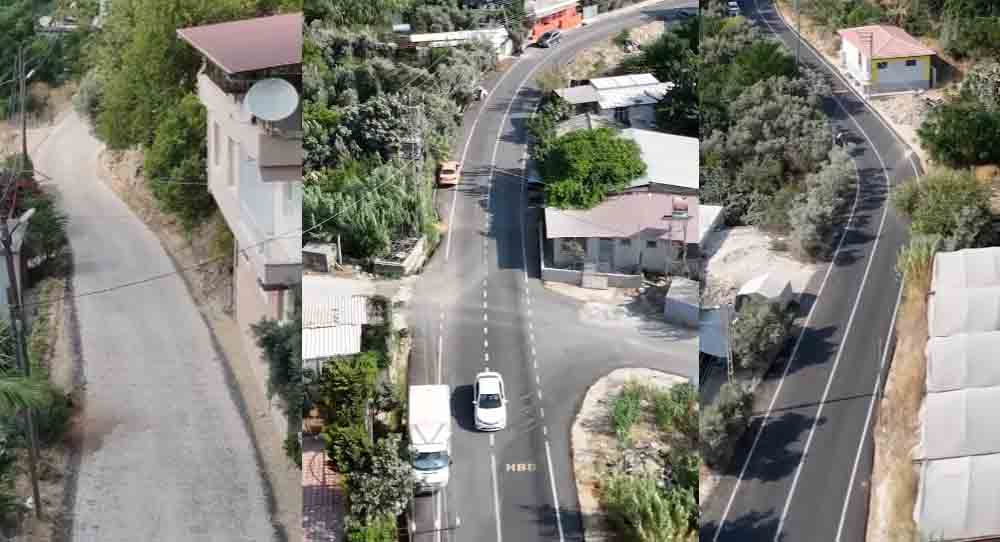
(272, 99)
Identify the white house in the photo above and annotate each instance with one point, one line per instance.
(884, 58)
(255, 166)
(628, 99)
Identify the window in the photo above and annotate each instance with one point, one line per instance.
(626, 242)
(621, 115)
(911, 62)
(882, 65)
(650, 244)
(234, 161)
(289, 199)
(216, 144)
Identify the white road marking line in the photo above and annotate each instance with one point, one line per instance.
(461, 160)
(531, 326)
(533, 351)
(545, 431)
(484, 292)
(487, 356)
(492, 439)
(868, 417)
(531, 337)
(485, 317)
(538, 380)
(485, 304)
(539, 393)
(847, 331)
(555, 496)
(437, 517)
(496, 493)
(536, 364)
(486, 330)
(541, 410)
(440, 350)
(486, 343)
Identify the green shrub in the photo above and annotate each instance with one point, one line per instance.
(622, 38)
(758, 331)
(962, 134)
(87, 100)
(916, 261)
(348, 447)
(722, 423)
(52, 418)
(379, 529)
(639, 511)
(582, 167)
(950, 204)
(293, 449)
(626, 410)
(677, 409)
(175, 164)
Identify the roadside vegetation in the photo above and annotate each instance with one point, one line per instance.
(767, 148)
(281, 342)
(367, 103)
(651, 496)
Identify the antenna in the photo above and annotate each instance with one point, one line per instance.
(272, 99)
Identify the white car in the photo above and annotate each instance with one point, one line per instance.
(490, 401)
(734, 9)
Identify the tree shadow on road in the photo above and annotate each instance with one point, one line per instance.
(749, 527)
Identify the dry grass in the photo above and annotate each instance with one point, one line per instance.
(895, 477)
(599, 59)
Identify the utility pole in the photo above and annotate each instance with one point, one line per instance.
(798, 31)
(22, 74)
(18, 328)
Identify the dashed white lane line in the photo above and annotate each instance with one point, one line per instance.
(545, 431)
(492, 439)
(487, 356)
(486, 317)
(537, 380)
(486, 330)
(539, 390)
(486, 343)
(531, 337)
(533, 354)
(484, 291)
(541, 411)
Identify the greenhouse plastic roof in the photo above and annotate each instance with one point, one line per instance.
(951, 311)
(963, 361)
(970, 268)
(959, 498)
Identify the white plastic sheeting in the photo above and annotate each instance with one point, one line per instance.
(951, 311)
(961, 422)
(970, 268)
(963, 361)
(959, 498)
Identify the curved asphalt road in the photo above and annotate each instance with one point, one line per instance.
(479, 303)
(804, 475)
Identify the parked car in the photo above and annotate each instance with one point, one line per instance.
(449, 173)
(490, 404)
(550, 39)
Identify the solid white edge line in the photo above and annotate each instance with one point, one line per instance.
(496, 494)
(857, 299)
(555, 495)
(437, 516)
(440, 354)
(465, 152)
(871, 408)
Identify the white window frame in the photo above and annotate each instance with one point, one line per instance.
(216, 144)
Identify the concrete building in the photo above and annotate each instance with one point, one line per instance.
(620, 238)
(552, 15)
(882, 59)
(628, 99)
(255, 166)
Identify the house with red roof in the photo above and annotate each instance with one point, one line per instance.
(881, 58)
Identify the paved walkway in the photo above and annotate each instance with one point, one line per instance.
(323, 501)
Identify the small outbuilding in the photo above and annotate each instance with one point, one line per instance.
(769, 287)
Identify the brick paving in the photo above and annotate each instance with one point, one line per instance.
(323, 500)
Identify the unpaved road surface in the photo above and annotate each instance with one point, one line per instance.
(166, 452)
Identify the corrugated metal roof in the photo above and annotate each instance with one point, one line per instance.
(250, 44)
(636, 215)
(622, 81)
(327, 342)
(587, 121)
(631, 96)
(584, 94)
(670, 159)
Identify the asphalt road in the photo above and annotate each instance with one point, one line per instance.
(166, 455)
(804, 475)
(479, 303)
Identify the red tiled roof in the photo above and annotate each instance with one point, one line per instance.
(250, 44)
(886, 41)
